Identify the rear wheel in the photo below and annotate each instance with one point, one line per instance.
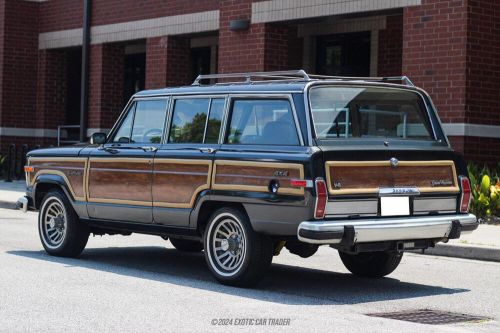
(186, 245)
(61, 232)
(236, 255)
(371, 264)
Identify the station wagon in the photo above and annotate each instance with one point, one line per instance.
(240, 166)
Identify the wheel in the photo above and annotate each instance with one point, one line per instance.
(236, 255)
(186, 245)
(371, 264)
(61, 232)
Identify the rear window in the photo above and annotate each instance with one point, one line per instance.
(355, 112)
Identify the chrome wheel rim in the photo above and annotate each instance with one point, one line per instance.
(53, 223)
(227, 245)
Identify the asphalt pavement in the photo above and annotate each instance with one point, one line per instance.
(141, 284)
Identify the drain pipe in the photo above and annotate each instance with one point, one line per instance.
(85, 71)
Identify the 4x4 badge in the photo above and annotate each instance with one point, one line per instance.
(394, 162)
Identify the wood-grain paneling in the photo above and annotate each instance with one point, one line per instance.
(120, 180)
(346, 177)
(71, 169)
(256, 176)
(176, 183)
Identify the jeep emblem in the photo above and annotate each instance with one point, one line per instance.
(394, 162)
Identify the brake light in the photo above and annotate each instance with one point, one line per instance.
(466, 195)
(321, 198)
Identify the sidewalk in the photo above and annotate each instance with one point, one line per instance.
(482, 244)
(10, 192)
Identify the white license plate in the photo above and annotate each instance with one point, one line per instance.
(394, 206)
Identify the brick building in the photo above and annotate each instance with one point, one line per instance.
(450, 48)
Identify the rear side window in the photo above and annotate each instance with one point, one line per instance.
(355, 112)
(188, 120)
(262, 122)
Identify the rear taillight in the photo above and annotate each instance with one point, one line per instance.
(466, 195)
(321, 198)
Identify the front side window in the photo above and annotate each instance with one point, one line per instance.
(123, 133)
(262, 122)
(355, 112)
(149, 121)
(144, 123)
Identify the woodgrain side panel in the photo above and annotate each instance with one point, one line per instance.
(176, 183)
(120, 180)
(256, 176)
(72, 170)
(367, 177)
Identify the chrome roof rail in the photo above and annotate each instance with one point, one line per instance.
(293, 75)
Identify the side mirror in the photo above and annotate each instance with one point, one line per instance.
(98, 138)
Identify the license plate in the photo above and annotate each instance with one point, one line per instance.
(394, 206)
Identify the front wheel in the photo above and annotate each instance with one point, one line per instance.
(371, 264)
(61, 232)
(236, 255)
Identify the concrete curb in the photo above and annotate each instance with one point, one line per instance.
(484, 253)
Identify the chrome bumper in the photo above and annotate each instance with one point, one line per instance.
(385, 229)
(22, 203)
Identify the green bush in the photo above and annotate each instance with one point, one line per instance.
(485, 183)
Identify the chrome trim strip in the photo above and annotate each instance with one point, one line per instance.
(351, 207)
(386, 229)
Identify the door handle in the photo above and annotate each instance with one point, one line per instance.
(149, 149)
(207, 150)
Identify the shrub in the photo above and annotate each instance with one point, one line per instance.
(485, 183)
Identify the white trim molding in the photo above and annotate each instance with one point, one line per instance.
(284, 10)
(479, 130)
(28, 132)
(156, 27)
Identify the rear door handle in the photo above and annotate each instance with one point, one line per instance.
(207, 150)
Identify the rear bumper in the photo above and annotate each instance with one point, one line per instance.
(385, 229)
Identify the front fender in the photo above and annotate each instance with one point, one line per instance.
(50, 179)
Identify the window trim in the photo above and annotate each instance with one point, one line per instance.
(229, 110)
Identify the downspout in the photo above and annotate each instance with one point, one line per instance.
(85, 71)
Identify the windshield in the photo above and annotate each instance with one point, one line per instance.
(355, 112)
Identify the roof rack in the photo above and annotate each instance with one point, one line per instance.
(294, 75)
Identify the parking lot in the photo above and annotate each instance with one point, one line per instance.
(141, 284)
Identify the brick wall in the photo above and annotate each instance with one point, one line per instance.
(18, 65)
(261, 47)
(390, 47)
(434, 53)
(105, 84)
(67, 14)
(167, 62)
(483, 63)
(51, 89)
